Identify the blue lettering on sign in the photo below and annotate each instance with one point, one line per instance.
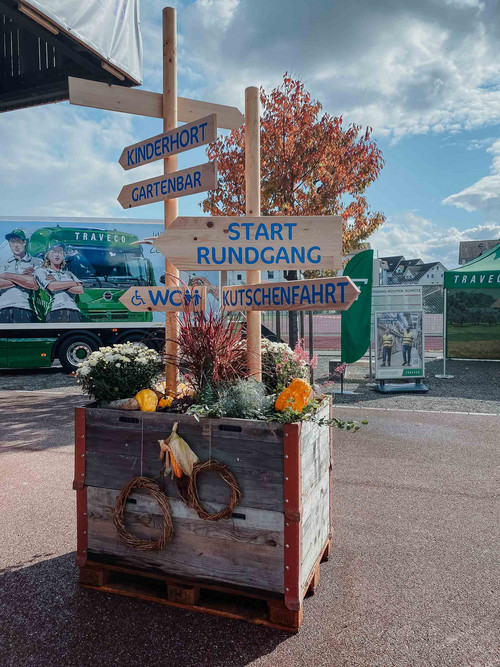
(167, 185)
(176, 292)
(158, 296)
(269, 296)
(182, 138)
(278, 255)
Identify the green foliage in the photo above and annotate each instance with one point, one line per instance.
(119, 371)
(281, 364)
(246, 400)
(309, 413)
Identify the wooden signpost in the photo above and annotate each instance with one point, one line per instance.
(165, 299)
(176, 141)
(216, 243)
(169, 186)
(99, 95)
(251, 242)
(318, 294)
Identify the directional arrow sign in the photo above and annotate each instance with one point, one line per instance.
(317, 294)
(221, 243)
(180, 139)
(143, 299)
(169, 186)
(145, 103)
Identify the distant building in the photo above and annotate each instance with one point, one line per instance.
(470, 250)
(266, 275)
(397, 270)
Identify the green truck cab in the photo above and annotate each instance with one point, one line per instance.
(107, 261)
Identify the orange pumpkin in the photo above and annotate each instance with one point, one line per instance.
(295, 396)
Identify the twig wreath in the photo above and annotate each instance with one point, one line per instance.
(192, 490)
(152, 489)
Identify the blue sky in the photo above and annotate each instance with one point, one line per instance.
(425, 76)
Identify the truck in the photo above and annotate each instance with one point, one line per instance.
(105, 257)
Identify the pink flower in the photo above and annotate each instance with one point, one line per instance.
(314, 361)
(299, 354)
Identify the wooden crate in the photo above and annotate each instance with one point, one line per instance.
(277, 535)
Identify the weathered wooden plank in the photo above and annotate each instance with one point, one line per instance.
(145, 103)
(238, 450)
(315, 526)
(260, 488)
(315, 453)
(250, 525)
(198, 550)
(116, 448)
(225, 427)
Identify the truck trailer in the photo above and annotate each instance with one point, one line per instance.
(91, 262)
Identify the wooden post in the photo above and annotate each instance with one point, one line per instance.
(252, 207)
(170, 164)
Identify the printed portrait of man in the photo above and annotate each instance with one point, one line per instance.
(17, 282)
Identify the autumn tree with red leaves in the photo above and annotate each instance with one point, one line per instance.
(310, 165)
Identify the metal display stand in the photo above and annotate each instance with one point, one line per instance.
(417, 387)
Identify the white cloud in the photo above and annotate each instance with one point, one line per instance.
(404, 68)
(58, 161)
(484, 195)
(414, 236)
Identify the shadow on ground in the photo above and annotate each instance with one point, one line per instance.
(32, 422)
(29, 379)
(50, 620)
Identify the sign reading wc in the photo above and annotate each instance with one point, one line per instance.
(176, 299)
(175, 141)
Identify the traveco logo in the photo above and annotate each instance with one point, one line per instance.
(476, 279)
(107, 237)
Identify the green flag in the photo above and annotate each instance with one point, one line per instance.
(356, 321)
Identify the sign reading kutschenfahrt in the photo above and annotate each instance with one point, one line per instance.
(161, 146)
(169, 186)
(318, 294)
(176, 299)
(280, 242)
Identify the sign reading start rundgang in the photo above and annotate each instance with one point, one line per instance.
(282, 242)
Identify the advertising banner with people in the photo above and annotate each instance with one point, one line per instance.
(74, 270)
(399, 345)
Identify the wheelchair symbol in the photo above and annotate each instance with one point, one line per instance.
(137, 299)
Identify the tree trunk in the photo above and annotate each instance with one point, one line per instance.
(293, 319)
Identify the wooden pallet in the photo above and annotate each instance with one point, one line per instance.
(246, 605)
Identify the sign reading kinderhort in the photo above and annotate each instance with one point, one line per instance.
(175, 141)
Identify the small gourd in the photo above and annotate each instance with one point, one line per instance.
(294, 397)
(165, 401)
(147, 400)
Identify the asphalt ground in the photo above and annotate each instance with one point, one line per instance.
(413, 578)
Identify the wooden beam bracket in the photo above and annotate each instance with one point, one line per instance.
(36, 16)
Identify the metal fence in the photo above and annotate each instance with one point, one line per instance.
(325, 327)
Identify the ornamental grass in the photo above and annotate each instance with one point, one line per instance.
(211, 351)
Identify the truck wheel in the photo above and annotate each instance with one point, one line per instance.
(74, 350)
